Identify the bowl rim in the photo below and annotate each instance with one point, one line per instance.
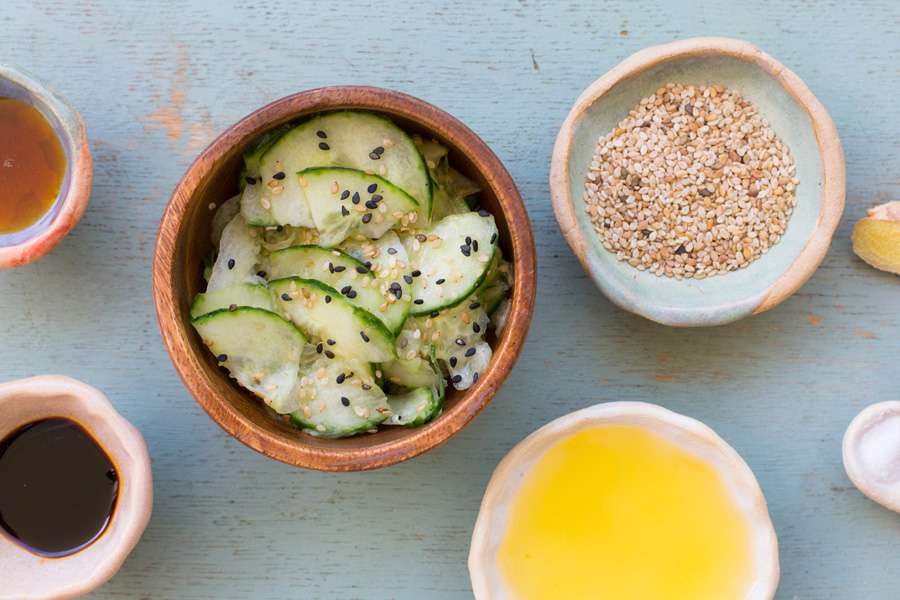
(294, 451)
(867, 418)
(832, 193)
(72, 205)
(694, 434)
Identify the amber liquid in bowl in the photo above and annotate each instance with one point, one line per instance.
(32, 165)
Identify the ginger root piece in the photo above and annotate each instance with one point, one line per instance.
(876, 238)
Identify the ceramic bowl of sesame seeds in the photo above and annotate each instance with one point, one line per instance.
(698, 182)
(307, 311)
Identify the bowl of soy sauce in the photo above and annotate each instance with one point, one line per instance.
(75, 488)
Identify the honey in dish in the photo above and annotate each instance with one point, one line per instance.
(32, 164)
(620, 513)
(58, 488)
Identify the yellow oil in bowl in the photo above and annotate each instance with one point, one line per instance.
(616, 512)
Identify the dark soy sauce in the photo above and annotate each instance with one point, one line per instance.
(58, 488)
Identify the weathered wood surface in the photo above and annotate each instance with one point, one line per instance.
(156, 81)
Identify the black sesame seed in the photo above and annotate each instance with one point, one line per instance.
(330, 342)
(222, 357)
(345, 400)
(329, 354)
(340, 269)
(344, 211)
(377, 198)
(364, 337)
(362, 270)
(261, 274)
(392, 250)
(453, 361)
(474, 245)
(483, 213)
(493, 238)
(476, 327)
(355, 198)
(324, 146)
(470, 352)
(418, 301)
(366, 387)
(421, 238)
(398, 293)
(474, 305)
(379, 150)
(250, 180)
(327, 299)
(368, 264)
(681, 250)
(434, 314)
(286, 297)
(408, 279)
(319, 347)
(456, 378)
(466, 250)
(345, 194)
(331, 267)
(322, 135)
(280, 228)
(475, 377)
(416, 273)
(232, 307)
(279, 175)
(351, 294)
(367, 217)
(374, 156)
(372, 187)
(371, 204)
(440, 281)
(340, 379)
(460, 342)
(230, 263)
(346, 289)
(394, 286)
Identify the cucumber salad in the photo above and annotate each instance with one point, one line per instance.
(353, 277)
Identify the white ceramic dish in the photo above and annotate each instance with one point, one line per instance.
(28, 576)
(872, 453)
(690, 434)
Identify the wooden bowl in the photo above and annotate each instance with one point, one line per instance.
(794, 114)
(26, 246)
(184, 239)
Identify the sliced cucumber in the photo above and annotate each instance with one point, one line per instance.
(343, 201)
(340, 270)
(240, 294)
(260, 349)
(388, 260)
(253, 155)
(285, 236)
(339, 398)
(497, 283)
(324, 313)
(412, 373)
(453, 260)
(222, 217)
(238, 256)
(256, 205)
(414, 408)
(351, 139)
(466, 364)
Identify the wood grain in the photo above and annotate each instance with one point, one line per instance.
(780, 387)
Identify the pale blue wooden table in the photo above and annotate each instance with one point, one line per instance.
(156, 81)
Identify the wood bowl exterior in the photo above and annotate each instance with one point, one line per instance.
(183, 240)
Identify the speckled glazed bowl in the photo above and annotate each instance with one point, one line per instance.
(796, 116)
(28, 576)
(22, 247)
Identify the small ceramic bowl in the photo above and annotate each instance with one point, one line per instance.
(871, 452)
(22, 247)
(29, 576)
(690, 434)
(796, 116)
(184, 239)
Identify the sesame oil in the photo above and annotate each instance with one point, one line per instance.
(32, 165)
(620, 512)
